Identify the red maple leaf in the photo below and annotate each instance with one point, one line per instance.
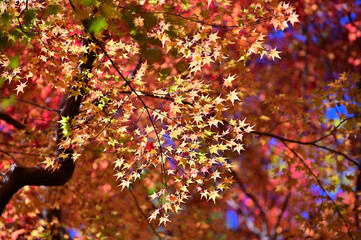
(184, 154)
(149, 146)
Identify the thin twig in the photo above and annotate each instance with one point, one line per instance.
(279, 218)
(165, 96)
(143, 214)
(12, 157)
(96, 41)
(332, 131)
(105, 127)
(319, 183)
(24, 153)
(224, 27)
(254, 199)
(306, 143)
(37, 105)
(10, 120)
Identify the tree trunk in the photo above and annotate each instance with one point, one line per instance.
(18, 176)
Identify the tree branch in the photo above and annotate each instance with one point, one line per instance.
(313, 143)
(165, 96)
(32, 103)
(143, 214)
(279, 218)
(255, 201)
(9, 120)
(97, 42)
(357, 200)
(18, 176)
(250, 225)
(319, 183)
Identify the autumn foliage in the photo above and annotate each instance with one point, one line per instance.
(180, 119)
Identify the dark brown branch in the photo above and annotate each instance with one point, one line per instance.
(143, 214)
(332, 131)
(279, 218)
(357, 200)
(32, 103)
(319, 183)
(9, 120)
(23, 153)
(313, 143)
(37, 105)
(165, 96)
(255, 201)
(18, 176)
(224, 27)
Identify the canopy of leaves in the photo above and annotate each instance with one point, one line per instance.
(156, 101)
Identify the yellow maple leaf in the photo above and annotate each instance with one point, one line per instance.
(139, 22)
(49, 163)
(154, 215)
(238, 148)
(293, 18)
(228, 80)
(213, 37)
(213, 195)
(174, 108)
(125, 183)
(20, 88)
(232, 96)
(164, 220)
(274, 53)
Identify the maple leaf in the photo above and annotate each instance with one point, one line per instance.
(274, 53)
(204, 194)
(20, 88)
(149, 129)
(76, 156)
(215, 175)
(198, 119)
(154, 196)
(204, 170)
(213, 195)
(213, 121)
(213, 37)
(63, 155)
(228, 80)
(119, 175)
(75, 93)
(208, 3)
(159, 115)
(232, 96)
(139, 22)
(49, 163)
(163, 220)
(149, 146)
(167, 206)
(136, 175)
(293, 18)
(174, 108)
(249, 129)
(154, 215)
(118, 163)
(176, 208)
(239, 148)
(125, 183)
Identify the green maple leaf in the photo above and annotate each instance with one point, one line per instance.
(97, 25)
